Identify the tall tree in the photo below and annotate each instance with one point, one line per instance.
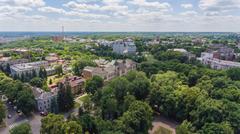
(65, 97)
(93, 84)
(138, 119)
(52, 124)
(37, 82)
(26, 101)
(71, 127)
(59, 70)
(185, 128)
(216, 128)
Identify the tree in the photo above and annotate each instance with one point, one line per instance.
(55, 124)
(2, 111)
(120, 88)
(21, 129)
(109, 107)
(128, 100)
(54, 105)
(26, 101)
(234, 73)
(65, 97)
(59, 70)
(50, 82)
(52, 124)
(79, 65)
(216, 128)
(37, 82)
(93, 84)
(88, 124)
(71, 127)
(140, 87)
(208, 111)
(138, 119)
(139, 84)
(42, 73)
(185, 128)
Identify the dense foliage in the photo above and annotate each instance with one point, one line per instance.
(21, 129)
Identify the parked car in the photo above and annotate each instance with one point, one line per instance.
(9, 116)
(43, 113)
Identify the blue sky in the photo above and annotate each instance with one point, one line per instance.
(120, 15)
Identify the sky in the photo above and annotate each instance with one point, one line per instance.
(121, 15)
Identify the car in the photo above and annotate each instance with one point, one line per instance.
(9, 116)
(43, 113)
(20, 113)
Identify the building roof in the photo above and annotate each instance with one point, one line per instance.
(73, 80)
(28, 66)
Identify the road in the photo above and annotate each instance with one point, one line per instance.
(34, 120)
(16, 119)
(163, 122)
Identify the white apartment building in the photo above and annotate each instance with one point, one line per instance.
(126, 46)
(207, 59)
(43, 99)
(27, 68)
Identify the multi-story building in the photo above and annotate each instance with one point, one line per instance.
(126, 46)
(27, 68)
(208, 59)
(109, 70)
(226, 53)
(76, 83)
(43, 99)
(52, 58)
(57, 38)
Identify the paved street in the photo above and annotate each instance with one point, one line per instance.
(35, 122)
(16, 119)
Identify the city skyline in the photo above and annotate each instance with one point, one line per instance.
(120, 15)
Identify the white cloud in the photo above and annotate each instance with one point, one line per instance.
(30, 3)
(13, 10)
(119, 15)
(51, 10)
(216, 7)
(87, 15)
(108, 5)
(112, 2)
(81, 6)
(189, 13)
(151, 5)
(187, 6)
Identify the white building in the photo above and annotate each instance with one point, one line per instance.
(207, 59)
(126, 46)
(27, 68)
(43, 99)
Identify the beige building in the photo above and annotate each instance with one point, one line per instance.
(109, 70)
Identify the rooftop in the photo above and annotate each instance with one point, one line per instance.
(28, 66)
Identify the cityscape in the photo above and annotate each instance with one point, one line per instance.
(119, 67)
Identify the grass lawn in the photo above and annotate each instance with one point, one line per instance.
(79, 100)
(162, 130)
(56, 78)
